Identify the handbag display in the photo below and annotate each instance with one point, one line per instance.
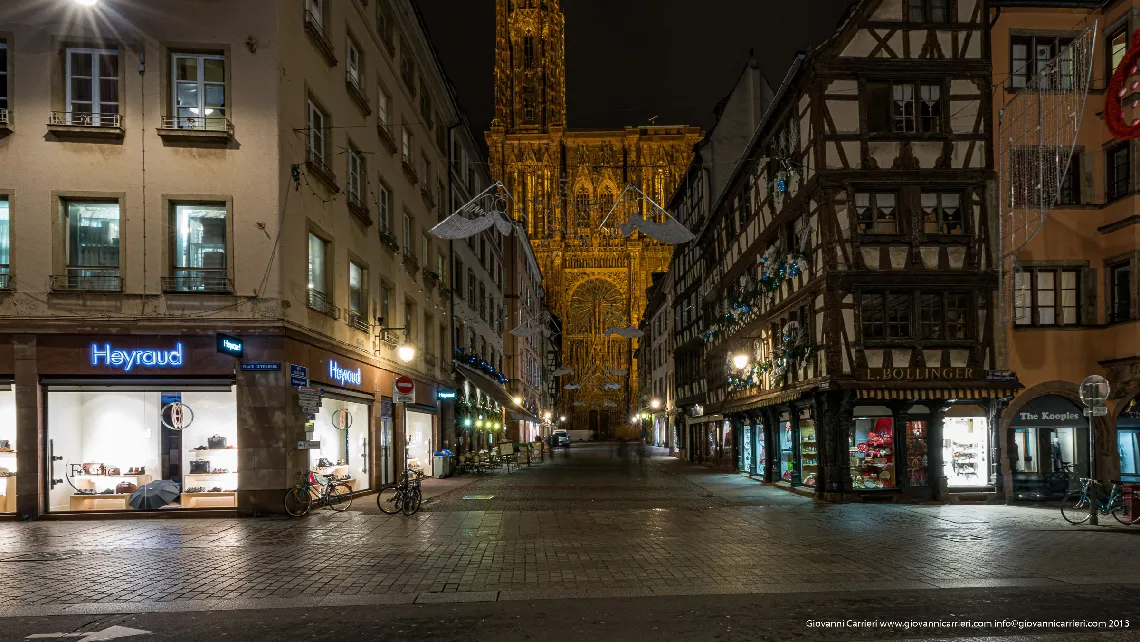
(125, 488)
(199, 466)
(5, 445)
(113, 472)
(93, 468)
(217, 442)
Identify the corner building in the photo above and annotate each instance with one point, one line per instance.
(849, 276)
(564, 183)
(271, 176)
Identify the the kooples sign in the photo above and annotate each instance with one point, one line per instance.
(1049, 417)
(921, 374)
(105, 355)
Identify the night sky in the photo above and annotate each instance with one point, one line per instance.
(629, 60)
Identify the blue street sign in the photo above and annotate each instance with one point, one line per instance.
(261, 365)
(298, 376)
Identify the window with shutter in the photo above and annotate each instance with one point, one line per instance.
(879, 108)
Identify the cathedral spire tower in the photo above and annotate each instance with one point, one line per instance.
(530, 66)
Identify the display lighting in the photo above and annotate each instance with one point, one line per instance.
(740, 361)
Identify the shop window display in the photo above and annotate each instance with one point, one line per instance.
(917, 459)
(112, 441)
(342, 428)
(786, 443)
(7, 451)
(761, 448)
(964, 451)
(872, 452)
(1127, 442)
(809, 452)
(746, 464)
(418, 440)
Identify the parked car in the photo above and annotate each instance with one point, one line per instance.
(560, 439)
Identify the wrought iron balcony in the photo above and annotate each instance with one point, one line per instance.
(387, 137)
(389, 238)
(410, 259)
(316, 164)
(356, 90)
(357, 321)
(359, 208)
(410, 169)
(198, 281)
(317, 301)
(88, 280)
(314, 26)
(196, 127)
(83, 124)
(431, 278)
(428, 198)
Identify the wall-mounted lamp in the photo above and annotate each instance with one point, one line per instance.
(406, 352)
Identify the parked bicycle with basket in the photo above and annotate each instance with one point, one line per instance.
(404, 495)
(319, 489)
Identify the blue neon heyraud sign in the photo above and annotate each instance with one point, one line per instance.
(343, 376)
(104, 354)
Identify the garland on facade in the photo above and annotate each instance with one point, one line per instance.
(484, 416)
(794, 348)
(775, 270)
(477, 362)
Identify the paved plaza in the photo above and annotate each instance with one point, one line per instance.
(576, 527)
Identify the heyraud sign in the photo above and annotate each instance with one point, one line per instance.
(106, 355)
(343, 376)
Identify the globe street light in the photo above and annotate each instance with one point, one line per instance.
(518, 401)
(87, 3)
(562, 418)
(655, 403)
(548, 415)
(406, 352)
(740, 361)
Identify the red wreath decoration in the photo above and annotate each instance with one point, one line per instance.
(862, 447)
(1113, 98)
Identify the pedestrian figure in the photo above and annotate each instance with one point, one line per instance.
(642, 459)
(623, 455)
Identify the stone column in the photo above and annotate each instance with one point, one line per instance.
(269, 425)
(31, 435)
(937, 465)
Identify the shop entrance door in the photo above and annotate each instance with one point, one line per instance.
(418, 440)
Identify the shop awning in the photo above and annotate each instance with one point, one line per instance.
(483, 382)
(519, 415)
(938, 393)
(751, 403)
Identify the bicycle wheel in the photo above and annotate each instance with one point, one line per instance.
(1118, 510)
(1075, 508)
(412, 504)
(339, 497)
(388, 500)
(298, 501)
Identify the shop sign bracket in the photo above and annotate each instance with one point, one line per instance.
(308, 445)
(1097, 411)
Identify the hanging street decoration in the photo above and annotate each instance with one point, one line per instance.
(669, 230)
(571, 386)
(629, 332)
(487, 209)
(612, 386)
(477, 362)
(793, 349)
(617, 371)
(1122, 93)
(562, 372)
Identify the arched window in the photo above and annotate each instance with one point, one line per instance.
(605, 204)
(528, 51)
(582, 204)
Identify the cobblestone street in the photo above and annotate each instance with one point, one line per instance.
(571, 527)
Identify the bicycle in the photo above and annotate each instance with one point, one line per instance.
(326, 491)
(404, 495)
(1058, 481)
(1076, 504)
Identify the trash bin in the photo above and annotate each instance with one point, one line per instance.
(444, 464)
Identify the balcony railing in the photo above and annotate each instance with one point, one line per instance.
(386, 136)
(83, 119)
(428, 198)
(410, 259)
(431, 278)
(318, 302)
(198, 280)
(5, 118)
(88, 280)
(357, 321)
(356, 89)
(359, 208)
(388, 237)
(314, 26)
(316, 163)
(410, 169)
(196, 125)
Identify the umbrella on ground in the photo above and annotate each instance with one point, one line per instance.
(154, 495)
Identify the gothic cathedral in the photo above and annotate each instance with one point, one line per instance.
(564, 185)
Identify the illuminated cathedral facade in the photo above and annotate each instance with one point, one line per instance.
(565, 184)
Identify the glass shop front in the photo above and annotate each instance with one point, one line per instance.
(1051, 447)
(787, 446)
(105, 441)
(1127, 441)
(809, 450)
(342, 428)
(419, 440)
(7, 448)
(966, 447)
(871, 447)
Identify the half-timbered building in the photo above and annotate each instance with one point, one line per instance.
(848, 275)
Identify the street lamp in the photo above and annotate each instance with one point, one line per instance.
(518, 401)
(655, 403)
(740, 361)
(87, 3)
(562, 418)
(406, 352)
(548, 415)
